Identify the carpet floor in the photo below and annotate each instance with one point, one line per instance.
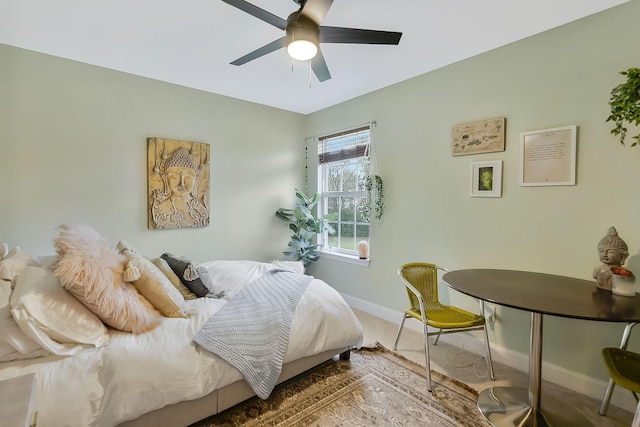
(376, 387)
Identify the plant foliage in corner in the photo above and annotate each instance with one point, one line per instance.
(375, 188)
(625, 105)
(305, 226)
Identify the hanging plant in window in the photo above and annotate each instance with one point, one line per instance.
(625, 105)
(375, 188)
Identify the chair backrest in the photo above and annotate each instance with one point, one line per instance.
(424, 277)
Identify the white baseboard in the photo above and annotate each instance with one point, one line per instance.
(553, 373)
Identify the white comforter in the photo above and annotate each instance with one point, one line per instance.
(136, 374)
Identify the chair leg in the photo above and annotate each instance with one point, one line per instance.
(425, 337)
(636, 417)
(604, 406)
(395, 345)
(427, 356)
(435, 342)
(487, 348)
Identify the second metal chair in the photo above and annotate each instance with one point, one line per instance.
(624, 369)
(604, 406)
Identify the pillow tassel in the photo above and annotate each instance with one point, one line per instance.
(191, 273)
(131, 273)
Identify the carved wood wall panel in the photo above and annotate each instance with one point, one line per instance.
(178, 183)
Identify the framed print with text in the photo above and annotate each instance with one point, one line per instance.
(486, 179)
(548, 157)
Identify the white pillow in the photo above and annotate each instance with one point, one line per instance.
(13, 264)
(229, 276)
(4, 250)
(14, 344)
(5, 292)
(295, 266)
(52, 317)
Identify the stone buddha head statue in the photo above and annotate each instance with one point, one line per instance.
(613, 251)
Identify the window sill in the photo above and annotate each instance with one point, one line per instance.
(345, 258)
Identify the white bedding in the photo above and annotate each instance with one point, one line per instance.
(136, 374)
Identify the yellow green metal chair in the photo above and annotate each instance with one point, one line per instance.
(624, 368)
(421, 282)
(604, 406)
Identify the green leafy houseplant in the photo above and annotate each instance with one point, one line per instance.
(625, 105)
(375, 188)
(305, 226)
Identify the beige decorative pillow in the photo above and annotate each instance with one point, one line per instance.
(151, 283)
(93, 272)
(13, 264)
(175, 280)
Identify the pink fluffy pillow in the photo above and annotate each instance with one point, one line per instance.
(93, 272)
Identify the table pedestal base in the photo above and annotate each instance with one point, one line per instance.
(509, 407)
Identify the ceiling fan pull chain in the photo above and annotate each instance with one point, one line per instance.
(310, 77)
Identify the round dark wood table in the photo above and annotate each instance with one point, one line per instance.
(540, 294)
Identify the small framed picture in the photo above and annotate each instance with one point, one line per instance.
(486, 179)
(485, 136)
(548, 157)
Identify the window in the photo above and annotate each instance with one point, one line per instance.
(343, 168)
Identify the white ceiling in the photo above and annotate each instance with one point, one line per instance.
(191, 42)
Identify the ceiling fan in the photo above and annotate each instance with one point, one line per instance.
(303, 34)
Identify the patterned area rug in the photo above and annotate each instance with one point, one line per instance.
(376, 387)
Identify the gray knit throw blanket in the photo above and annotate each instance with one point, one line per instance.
(251, 331)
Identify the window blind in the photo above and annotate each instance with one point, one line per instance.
(344, 145)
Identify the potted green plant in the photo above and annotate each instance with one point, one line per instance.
(625, 105)
(305, 226)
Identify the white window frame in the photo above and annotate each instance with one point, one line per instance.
(338, 252)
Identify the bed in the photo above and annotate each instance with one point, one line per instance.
(161, 377)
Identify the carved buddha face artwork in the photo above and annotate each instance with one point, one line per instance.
(178, 181)
(181, 173)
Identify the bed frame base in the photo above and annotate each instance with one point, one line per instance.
(190, 411)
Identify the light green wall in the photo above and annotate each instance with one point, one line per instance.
(561, 77)
(73, 149)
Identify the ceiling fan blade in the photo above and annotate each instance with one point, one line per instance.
(316, 9)
(271, 47)
(261, 14)
(358, 36)
(319, 67)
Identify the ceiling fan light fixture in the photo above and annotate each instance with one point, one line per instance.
(302, 37)
(302, 50)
